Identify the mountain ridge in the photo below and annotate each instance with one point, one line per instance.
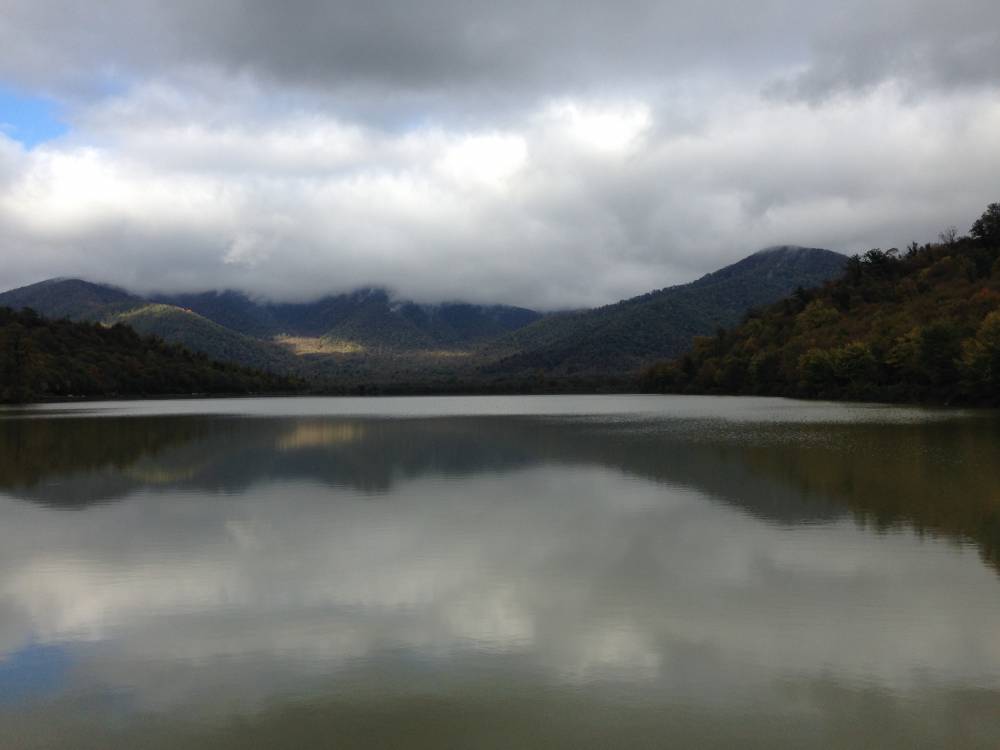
(663, 322)
(367, 335)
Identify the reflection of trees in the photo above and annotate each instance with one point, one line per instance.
(34, 452)
(938, 477)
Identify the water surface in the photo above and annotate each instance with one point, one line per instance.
(498, 572)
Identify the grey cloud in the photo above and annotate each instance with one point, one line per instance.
(438, 44)
(483, 48)
(920, 44)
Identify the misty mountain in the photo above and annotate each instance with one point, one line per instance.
(624, 336)
(366, 336)
(334, 335)
(367, 317)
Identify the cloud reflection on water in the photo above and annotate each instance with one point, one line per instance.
(711, 565)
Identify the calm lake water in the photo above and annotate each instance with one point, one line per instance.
(536, 572)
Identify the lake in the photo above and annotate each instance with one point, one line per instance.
(499, 572)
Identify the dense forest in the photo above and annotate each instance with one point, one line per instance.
(44, 359)
(919, 325)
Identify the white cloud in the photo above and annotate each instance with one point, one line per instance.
(611, 130)
(578, 202)
(464, 154)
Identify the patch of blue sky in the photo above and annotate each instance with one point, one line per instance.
(33, 671)
(29, 119)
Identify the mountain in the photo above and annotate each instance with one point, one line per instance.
(369, 318)
(43, 358)
(624, 336)
(367, 337)
(232, 310)
(356, 336)
(919, 326)
(73, 299)
(185, 327)
(78, 300)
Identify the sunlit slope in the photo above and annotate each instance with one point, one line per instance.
(199, 334)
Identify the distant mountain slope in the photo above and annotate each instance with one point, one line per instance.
(75, 299)
(70, 298)
(366, 336)
(232, 327)
(230, 309)
(624, 336)
(191, 330)
(367, 317)
(460, 324)
(42, 358)
(922, 326)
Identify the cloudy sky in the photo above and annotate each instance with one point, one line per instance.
(543, 153)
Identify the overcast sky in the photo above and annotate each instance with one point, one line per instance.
(542, 153)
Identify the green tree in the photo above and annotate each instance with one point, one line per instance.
(816, 372)
(855, 368)
(16, 377)
(938, 352)
(987, 227)
(981, 358)
(764, 371)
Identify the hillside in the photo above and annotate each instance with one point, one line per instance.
(367, 338)
(187, 328)
(42, 358)
(78, 300)
(621, 337)
(922, 325)
(73, 299)
(355, 336)
(370, 318)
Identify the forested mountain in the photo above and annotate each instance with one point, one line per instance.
(369, 317)
(621, 337)
(330, 336)
(73, 299)
(79, 300)
(187, 328)
(368, 338)
(42, 358)
(921, 325)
